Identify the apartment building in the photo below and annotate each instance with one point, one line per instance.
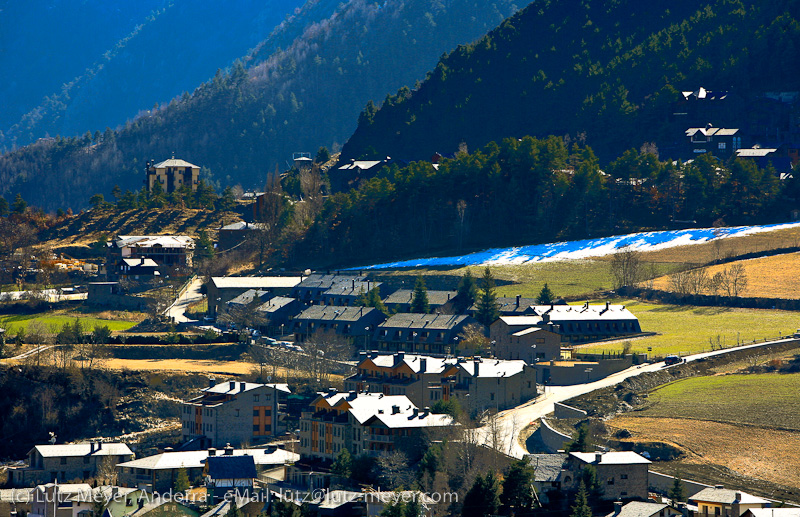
(234, 413)
(480, 383)
(363, 423)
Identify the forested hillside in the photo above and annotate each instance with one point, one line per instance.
(526, 191)
(90, 65)
(604, 72)
(241, 124)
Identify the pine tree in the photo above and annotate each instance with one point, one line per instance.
(228, 201)
(19, 205)
(343, 464)
(182, 481)
(581, 441)
(419, 303)
(487, 310)
(483, 498)
(581, 508)
(518, 486)
(467, 290)
(205, 248)
(3, 207)
(677, 492)
(545, 296)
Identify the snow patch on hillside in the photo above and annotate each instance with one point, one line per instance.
(645, 241)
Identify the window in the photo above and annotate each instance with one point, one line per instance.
(491, 396)
(255, 412)
(256, 428)
(255, 398)
(611, 481)
(237, 413)
(623, 476)
(721, 145)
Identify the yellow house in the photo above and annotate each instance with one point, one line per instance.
(173, 174)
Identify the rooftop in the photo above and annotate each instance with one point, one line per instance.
(610, 458)
(174, 162)
(140, 262)
(414, 362)
(231, 467)
(491, 368)
(335, 313)
(249, 296)
(82, 449)
(275, 303)
(726, 496)
(196, 459)
(325, 282)
(254, 282)
(423, 321)
(640, 509)
(547, 467)
(150, 241)
(435, 298)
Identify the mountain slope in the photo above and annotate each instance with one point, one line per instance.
(242, 124)
(162, 53)
(603, 70)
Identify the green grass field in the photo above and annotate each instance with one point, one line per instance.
(688, 329)
(565, 278)
(12, 323)
(766, 400)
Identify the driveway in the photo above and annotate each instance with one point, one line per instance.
(177, 311)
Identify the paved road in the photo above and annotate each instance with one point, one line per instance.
(191, 294)
(511, 421)
(51, 295)
(40, 348)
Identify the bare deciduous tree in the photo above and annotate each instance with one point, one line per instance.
(734, 280)
(626, 267)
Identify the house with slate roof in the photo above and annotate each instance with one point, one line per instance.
(222, 289)
(230, 474)
(167, 251)
(355, 323)
(346, 294)
(643, 509)
(526, 338)
(234, 413)
(548, 470)
(439, 301)
(67, 462)
(622, 475)
(421, 333)
(724, 502)
(172, 174)
(158, 473)
(311, 290)
(363, 423)
(718, 141)
(490, 383)
(418, 377)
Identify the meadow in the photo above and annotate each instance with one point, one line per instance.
(686, 329)
(13, 322)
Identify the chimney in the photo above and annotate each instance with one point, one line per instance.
(423, 365)
(738, 497)
(212, 382)
(415, 412)
(242, 386)
(617, 507)
(395, 410)
(477, 368)
(91, 447)
(212, 451)
(354, 285)
(719, 486)
(228, 450)
(232, 386)
(400, 356)
(598, 457)
(518, 298)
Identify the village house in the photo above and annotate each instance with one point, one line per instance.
(234, 413)
(228, 474)
(172, 174)
(354, 323)
(418, 377)
(167, 251)
(576, 323)
(643, 509)
(311, 290)
(421, 333)
(508, 306)
(525, 338)
(363, 423)
(438, 301)
(490, 383)
(278, 313)
(138, 269)
(723, 502)
(68, 462)
(548, 470)
(718, 141)
(159, 472)
(234, 234)
(622, 475)
(222, 289)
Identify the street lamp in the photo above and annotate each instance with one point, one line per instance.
(366, 337)
(413, 341)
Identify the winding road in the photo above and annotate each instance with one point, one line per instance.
(177, 311)
(509, 423)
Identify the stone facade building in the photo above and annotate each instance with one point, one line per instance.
(622, 475)
(68, 462)
(172, 174)
(234, 413)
